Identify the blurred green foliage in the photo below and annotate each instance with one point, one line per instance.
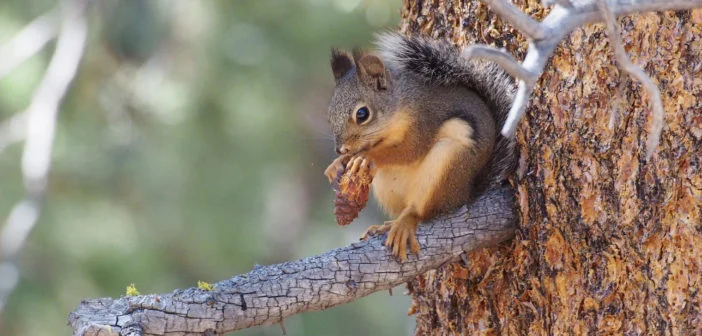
(190, 147)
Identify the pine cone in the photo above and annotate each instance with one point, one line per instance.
(351, 192)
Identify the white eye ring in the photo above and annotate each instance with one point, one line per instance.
(362, 115)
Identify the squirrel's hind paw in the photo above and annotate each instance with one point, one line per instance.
(376, 230)
(400, 234)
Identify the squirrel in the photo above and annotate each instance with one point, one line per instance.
(425, 122)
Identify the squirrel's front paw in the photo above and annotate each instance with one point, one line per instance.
(336, 166)
(401, 232)
(360, 163)
(351, 186)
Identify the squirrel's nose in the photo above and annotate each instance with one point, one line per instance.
(342, 150)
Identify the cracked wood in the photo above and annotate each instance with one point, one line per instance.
(269, 294)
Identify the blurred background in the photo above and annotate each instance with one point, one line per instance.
(189, 147)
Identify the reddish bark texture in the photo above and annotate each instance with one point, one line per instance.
(608, 243)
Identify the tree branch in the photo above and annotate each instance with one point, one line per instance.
(564, 3)
(40, 121)
(267, 295)
(502, 58)
(28, 41)
(524, 23)
(12, 130)
(546, 35)
(25, 44)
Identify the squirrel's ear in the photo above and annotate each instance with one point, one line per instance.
(341, 63)
(370, 70)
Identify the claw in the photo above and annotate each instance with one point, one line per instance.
(355, 164)
(367, 166)
(414, 244)
(375, 230)
(371, 168)
(363, 165)
(335, 167)
(398, 237)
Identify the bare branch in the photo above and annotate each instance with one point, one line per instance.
(12, 130)
(41, 126)
(563, 3)
(530, 27)
(546, 35)
(589, 10)
(519, 105)
(502, 58)
(25, 44)
(28, 42)
(654, 95)
(268, 295)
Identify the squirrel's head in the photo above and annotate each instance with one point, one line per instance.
(363, 102)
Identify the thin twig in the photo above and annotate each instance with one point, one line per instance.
(282, 328)
(29, 41)
(13, 130)
(41, 126)
(563, 3)
(519, 105)
(530, 27)
(543, 37)
(654, 95)
(502, 58)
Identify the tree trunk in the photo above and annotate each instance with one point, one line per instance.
(608, 243)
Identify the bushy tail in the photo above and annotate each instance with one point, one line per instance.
(440, 63)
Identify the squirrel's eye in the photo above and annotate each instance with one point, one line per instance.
(362, 115)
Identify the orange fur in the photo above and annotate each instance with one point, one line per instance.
(391, 145)
(413, 192)
(391, 185)
(453, 137)
(398, 186)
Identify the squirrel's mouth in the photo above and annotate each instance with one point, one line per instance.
(369, 146)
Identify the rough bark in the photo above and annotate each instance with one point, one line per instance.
(608, 243)
(269, 294)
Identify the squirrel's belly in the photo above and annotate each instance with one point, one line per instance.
(391, 185)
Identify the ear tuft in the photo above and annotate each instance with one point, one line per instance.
(341, 63)
(370, 69)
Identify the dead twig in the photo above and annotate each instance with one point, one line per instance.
(544, 36)
(28, 41)
(41, 125)
(13, 130)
